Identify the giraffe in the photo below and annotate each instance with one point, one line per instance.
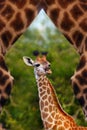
(70, 16)
(79, 83)
(6, 83)
(15, 17)
(52, 114)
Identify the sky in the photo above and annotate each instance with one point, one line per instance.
(42, 21)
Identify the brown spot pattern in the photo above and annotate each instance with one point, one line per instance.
(85, 44)
(44, 115)
(83, 6)
(46, 103)
(3, 79)
(2, 1)
(49, 119)
(2, 24)
(34, 2)
(83, 1)
(50, 108)
(76, 12)
(7, 12)
(17, 23)
(6, 37)
(48, 91)
(81, 80)
(46, 109)
(50, 2)
(66, 23)
(47, 125)
(83, 24)
(81, 63)
(29, 15)
(8, 88)
(85, 90)
(42, 104)
(61, 128)
(3, 101)
(42, 93)
(2, 4)
(40, 84)
(54, 14)
(53, 114)
(76, 88)
(6, 82)
(59, 122)
(84, 73)
(1, 73)
(65, 3)
(81, 101)
(77, 37)
(66, 124)
(19, 3)
(44, 97)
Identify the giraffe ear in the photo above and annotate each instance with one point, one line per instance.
(28, 61)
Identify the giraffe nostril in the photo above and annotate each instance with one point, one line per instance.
(46, 69)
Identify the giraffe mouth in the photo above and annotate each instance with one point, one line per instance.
(48, 71)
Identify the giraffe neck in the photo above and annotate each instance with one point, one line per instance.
(79, 82)
(51, 111)
(70, 18)
(15, 17)
(6, 82)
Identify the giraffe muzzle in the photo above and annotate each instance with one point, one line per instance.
(48, 71)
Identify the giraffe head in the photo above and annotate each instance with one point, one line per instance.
(41, 65)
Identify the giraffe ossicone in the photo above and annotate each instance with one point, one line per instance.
(52, 114)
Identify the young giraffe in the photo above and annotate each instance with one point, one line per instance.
(70, 16)
(53, 116)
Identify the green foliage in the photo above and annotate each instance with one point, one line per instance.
(22, 113)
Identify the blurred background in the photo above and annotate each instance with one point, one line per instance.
(22, 110)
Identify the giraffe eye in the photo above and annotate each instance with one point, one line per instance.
(49, 65)
(37, 65)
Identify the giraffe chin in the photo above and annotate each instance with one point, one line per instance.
(49, 72)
